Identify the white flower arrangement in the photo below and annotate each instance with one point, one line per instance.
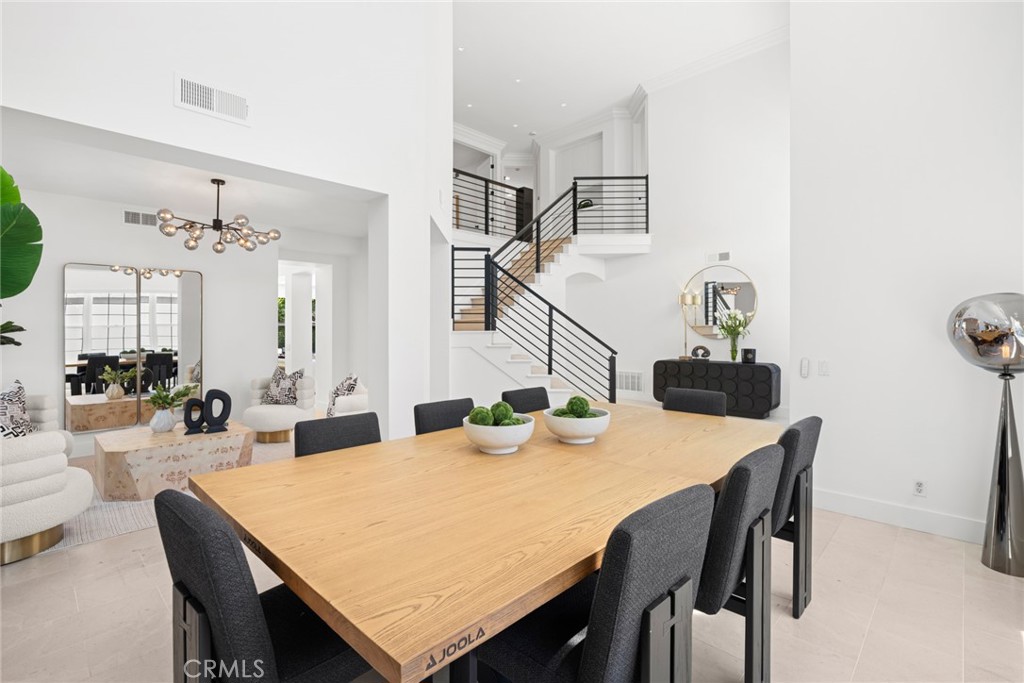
(734, 323)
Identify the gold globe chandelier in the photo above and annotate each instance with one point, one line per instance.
(237, 231)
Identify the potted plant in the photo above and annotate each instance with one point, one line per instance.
(115, 379)
(165, 401)
(21, 248)
(733, 325)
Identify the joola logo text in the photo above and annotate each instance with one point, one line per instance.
(454, 648)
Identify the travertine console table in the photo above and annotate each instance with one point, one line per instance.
(136, 464)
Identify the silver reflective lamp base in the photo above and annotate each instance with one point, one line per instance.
(988, 331)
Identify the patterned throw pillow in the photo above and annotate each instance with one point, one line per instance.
(346, 388)
(281, 391)
(14, 420)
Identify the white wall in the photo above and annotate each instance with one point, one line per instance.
(582, 158)
(371, 110)
(719, 180)
(239, 295)
(907, 198)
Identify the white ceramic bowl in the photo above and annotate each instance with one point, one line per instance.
(577, 430)
(499, 440)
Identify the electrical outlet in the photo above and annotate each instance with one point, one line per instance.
(823, 368)
(921, 489)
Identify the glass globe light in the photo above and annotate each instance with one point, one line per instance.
(228, 236)
(218, 247)
(250, 246)
(169, 229)
(241, 220)
(191, 244)
(148, 275)
(261, 238)
(115, 268)
(129, 271)
(242, 242)
(197, 234)
(177, 273)
(165, 215)
(165, 272)
(274, 234)
(246, 230)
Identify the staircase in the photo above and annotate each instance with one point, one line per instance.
(499, 307)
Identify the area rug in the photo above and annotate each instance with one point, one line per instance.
(106, 519)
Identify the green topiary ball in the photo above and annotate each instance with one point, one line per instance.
(501, 412)
(481, 416)
(507, 423)
(578, 406)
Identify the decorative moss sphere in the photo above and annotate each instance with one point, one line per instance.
(501, 411)
(578, 406)
(481, 416)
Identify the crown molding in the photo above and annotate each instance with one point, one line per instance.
(637, 102)
(518, 159)
(473, 138)
(736, 52)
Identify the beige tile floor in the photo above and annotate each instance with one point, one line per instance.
(889, 605)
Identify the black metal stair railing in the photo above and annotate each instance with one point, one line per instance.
(489, 206)
(504, 301)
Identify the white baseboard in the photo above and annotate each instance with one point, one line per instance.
(929, 521)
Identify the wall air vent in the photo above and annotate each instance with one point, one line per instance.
(206, 99)
(139, 218)
(718, 256)
(629, 381)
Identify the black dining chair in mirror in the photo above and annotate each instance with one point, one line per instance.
(162, 367)
(94, 368)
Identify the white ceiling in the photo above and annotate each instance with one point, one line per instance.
(588, 55)
(62, 158)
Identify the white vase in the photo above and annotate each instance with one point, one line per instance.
(163, 421)
(114, 392)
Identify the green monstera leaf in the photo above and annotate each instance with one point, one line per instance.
(9, 192)
(21, 248)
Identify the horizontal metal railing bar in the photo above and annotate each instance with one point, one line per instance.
(556, 308)
(537, 344)
(529, 226)
(457, 248)
(459, 174)
(608, 177)
(595, 352)
(580, 383)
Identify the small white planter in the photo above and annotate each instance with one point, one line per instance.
(163, 421)
(577, 430)
(499, 440)
(114, 392)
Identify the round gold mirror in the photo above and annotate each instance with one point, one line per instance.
(716, 290)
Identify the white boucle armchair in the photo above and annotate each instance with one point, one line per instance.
(274, 423)
(38, 491)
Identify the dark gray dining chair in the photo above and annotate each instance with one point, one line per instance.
(598, 630)
(527, 400)
(336, 433)
(792, 510)
(221, 624)
(694, 401)
(737, 572)
(433, 417)
(161, 365)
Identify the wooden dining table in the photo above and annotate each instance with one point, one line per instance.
(417, 550)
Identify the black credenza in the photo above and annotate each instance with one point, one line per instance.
(751, 389)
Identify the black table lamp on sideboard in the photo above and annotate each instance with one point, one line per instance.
(751, 389)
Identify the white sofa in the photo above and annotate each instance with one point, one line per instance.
(273, 423)
(357, 402)
(38, 491)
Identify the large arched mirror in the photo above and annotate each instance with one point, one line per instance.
(716, 289)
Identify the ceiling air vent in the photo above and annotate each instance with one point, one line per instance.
(139, 218)
(206, 99)
(718, 257)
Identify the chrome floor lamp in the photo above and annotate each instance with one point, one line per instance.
(988, 331)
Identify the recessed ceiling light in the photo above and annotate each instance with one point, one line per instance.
(533, 132)
(470, 106)
(564, 104)
(518, 80)
(515, 125)
(462, 49)
(508, 177)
